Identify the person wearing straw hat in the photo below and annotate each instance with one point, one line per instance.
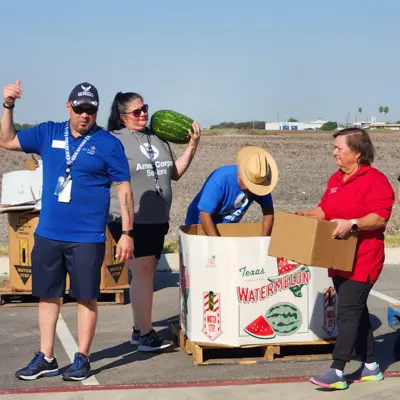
(230, 190)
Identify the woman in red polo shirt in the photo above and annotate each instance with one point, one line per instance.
(359, 198)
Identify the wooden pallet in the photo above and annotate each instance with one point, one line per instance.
(9, 298)
(214, 354)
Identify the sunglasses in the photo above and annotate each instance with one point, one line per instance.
(136, 113)
(81, 110)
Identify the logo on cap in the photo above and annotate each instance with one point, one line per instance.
(85, 92)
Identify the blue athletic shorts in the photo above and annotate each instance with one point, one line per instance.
(52, 259)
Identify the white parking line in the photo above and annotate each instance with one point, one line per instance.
(384, 297)
(70, 346)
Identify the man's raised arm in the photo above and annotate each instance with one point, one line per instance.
(8, 136)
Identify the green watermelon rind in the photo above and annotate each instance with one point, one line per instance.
(272, 336)
(260, 337)
(293, 327)
(171, 126)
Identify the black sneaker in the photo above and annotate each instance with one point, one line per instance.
(37, 368)
(152, 342)
(135, 337)
(79, 370)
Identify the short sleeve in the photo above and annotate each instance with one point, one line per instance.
(117, 163)
(321, 203)
(265, 201)
(171, 152)
(380, 197)
(31, 139)
(210, 196)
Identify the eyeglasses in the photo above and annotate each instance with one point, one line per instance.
(136, 113)
(81, 110)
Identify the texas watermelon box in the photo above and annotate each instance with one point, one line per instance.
(233, 293)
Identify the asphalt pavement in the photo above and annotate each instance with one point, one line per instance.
(115, 362)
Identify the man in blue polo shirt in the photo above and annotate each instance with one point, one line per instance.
(80, 161)
(230, 190)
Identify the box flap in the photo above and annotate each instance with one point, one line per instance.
(292, 235)
(22, 190)
(5, 208)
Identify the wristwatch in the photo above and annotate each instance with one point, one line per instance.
(129, 233)
(354, 227)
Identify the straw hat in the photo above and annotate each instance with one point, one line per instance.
(257, 170)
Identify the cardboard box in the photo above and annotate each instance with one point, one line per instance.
(310, 241)
(21, 228)
(22, 190)
(232, 293)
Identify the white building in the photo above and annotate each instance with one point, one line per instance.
(294, 126)
(371, 125)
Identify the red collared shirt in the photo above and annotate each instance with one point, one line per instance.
(367, 191)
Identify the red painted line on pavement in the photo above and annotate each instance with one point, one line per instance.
(175, 385)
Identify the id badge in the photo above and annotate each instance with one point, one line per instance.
(60, 185)
(65, 194)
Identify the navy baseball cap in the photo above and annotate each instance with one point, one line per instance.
(84, 93)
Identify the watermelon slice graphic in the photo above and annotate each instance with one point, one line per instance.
(260, 329)
(286, 266)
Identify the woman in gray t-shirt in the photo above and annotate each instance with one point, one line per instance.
(152, 167)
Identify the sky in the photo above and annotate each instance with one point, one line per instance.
(214, 61)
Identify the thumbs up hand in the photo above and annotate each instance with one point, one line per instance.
(12, 92)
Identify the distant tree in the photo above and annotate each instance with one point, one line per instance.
(329, 126)
(293, 120)
(240, 125)
(18, 127)
(397, 122)
(385, 110)
(360, 111)
(381, 108)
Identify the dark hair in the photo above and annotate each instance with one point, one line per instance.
(118, 107)
(359, 141)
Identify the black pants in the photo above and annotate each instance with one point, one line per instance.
(353, 323)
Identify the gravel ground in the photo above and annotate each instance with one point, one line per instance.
(304, 160)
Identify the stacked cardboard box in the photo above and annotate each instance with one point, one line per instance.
(21, 200)
(21, 228)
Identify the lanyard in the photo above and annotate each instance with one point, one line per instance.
(150, 152)
(70, 160)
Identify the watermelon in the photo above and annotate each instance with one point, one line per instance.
(285, 318)
(260, 329)
(171, 126)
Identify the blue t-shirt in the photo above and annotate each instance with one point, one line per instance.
(222, 197)
(100, 162)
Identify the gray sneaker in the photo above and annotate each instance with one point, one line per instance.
(152, 342)
(135, 337)
(364, 374)
(330, 380)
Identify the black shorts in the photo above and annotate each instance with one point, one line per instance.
(148, 239)
(52, 259)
